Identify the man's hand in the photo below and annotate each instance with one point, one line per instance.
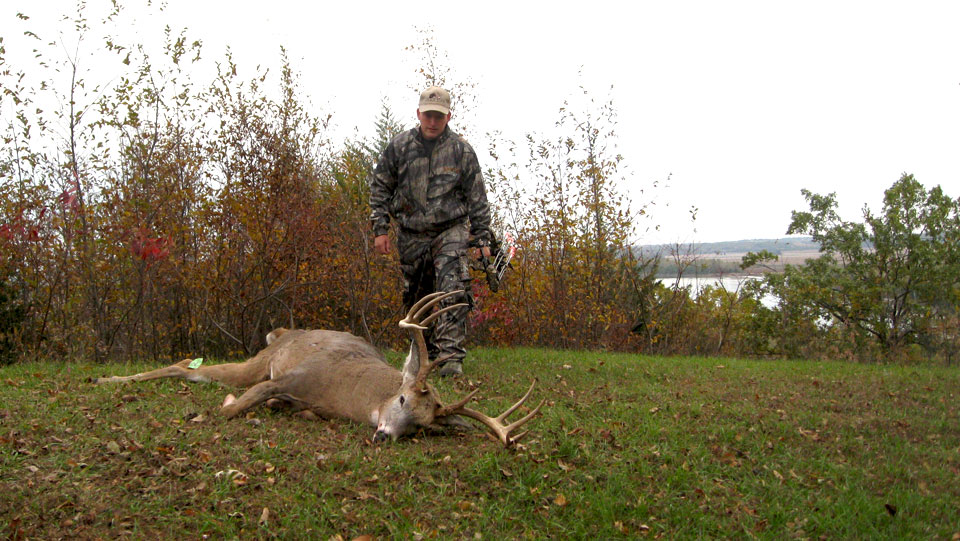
(381, 243)
(477, 252)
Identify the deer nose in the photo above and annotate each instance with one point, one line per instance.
(380, 436)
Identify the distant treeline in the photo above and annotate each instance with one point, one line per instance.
(705, 267)
(723, 258)
(706, 249)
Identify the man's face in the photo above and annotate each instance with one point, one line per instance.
(432, 123)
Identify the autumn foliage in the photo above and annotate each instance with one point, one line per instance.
(174, 219)
(155, 217)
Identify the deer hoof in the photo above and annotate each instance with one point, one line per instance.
(229, 399)
(275, 403)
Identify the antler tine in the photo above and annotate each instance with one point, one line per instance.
(416, 322)
(411, 320)
(497, 423)
(414, 319)
(448, 410)
(519, 402)
(424, 305)
(426, 367)
(433, 317)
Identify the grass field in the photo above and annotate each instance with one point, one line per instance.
(626, 447)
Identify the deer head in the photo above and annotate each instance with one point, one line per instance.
(417, 404)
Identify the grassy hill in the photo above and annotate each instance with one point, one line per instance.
(627, 446)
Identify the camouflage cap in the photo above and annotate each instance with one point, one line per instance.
(435, 99)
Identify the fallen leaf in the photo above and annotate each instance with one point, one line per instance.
(264, 516)
(238, 477)
(563, 465)
(560, 500)
(199, 488)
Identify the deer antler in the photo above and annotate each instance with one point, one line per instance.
(496, 424)
(417, 323)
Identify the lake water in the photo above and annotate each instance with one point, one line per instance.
(730, 283)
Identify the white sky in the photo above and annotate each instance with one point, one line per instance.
(740, 103)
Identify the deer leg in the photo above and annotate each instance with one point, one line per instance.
(262, 392)
(178, 370)
(242, 374)
(280, 404)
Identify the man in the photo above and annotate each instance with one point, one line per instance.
(428, 181)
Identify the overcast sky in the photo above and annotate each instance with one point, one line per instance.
(739, 104)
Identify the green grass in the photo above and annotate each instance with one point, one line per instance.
(627, 446)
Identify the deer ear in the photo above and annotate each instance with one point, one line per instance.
(411, 367)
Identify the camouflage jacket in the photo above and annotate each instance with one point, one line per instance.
(429, 193)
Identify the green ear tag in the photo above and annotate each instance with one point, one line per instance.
(194, 364)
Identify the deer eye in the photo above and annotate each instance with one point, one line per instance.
(402, 399)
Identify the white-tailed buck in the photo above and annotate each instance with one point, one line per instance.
(336, 374)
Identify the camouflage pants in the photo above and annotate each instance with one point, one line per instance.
(438, 262)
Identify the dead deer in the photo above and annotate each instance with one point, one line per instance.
(338, 375)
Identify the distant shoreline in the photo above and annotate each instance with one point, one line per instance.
(722, 259)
